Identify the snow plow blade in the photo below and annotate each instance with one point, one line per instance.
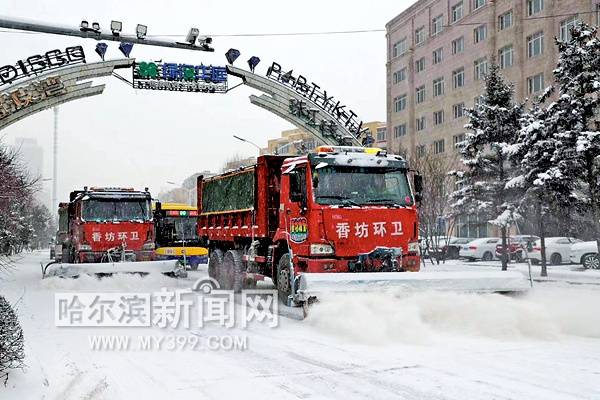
(141, 267)
(311, 285)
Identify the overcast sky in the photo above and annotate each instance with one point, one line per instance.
(127, 137)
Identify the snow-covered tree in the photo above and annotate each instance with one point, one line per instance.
(573, 119)
(542, 187)
(12, 350)
(494, 124)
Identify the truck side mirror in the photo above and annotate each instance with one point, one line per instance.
(418, 183)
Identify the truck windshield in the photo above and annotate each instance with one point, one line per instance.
(361, 185)
(177, 229)
(115, 210)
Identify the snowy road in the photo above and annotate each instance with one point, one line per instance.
(426, 346)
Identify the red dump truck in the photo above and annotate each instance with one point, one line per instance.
(338, 216)
(108, 225)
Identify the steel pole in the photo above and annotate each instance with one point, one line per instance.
(35, 26)
(55, 163)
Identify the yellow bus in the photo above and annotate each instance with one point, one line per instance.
(176, 236)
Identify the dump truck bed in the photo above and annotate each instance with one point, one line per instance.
(241, 203)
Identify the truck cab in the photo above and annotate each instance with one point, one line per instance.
(109, 224)
(348, 210)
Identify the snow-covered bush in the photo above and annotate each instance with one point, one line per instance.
(11, 340)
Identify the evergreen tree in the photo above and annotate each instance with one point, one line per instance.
(572, 120)
(542, 188)
(494, 124)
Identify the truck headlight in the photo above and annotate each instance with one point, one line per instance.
(148, 246)
(413, 247)
(85, 247)
(320, 249)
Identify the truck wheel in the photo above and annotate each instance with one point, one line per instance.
(215, 262)
(284, 284)
(232, 271)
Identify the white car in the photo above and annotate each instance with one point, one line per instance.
(483, 248)
(558, 250)
(585, 253)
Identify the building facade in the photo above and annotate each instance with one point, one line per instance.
(439, 52)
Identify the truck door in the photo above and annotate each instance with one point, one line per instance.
(296, 207)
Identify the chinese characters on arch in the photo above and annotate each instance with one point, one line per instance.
(180, 77)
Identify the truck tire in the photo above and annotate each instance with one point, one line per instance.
(215, 262)
(232, 271)
(284, 284)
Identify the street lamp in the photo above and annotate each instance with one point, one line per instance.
(248, 141)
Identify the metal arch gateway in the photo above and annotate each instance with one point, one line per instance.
(280, 100)
(53, 88)
(61, 85)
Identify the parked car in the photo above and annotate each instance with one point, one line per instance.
(482, 248)
(451, 249)
(558, 250)
(516, 246)
(585, 253)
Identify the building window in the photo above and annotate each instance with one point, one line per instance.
(399, 131)
(457, 11)
(420, 94)
(478, 3)
(480, 33)
(419, 35)
(420, 124)
(505, 57)
(437, 25)
(458, 110)
(477, 101)
(400, 103)
(399, 48)
(438, 117)
(456, 139)
(420, 64)
(438, 55)
(505, 20)
(535, 83)
(481, 66)
(566, 27)
(458, 78)
(399, 75)
(381, 134)
(534, 7)
(535, 44)
(598, 14)
(438, 146)
(420, 150)
(458, 45)
(438, 87)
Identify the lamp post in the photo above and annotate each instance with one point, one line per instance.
(241, 139)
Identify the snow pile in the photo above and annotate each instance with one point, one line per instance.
(430, 317)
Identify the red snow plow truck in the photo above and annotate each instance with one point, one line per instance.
(339, 219)
(109, 230)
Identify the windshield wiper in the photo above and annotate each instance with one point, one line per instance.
(345, 200)
(385, 201)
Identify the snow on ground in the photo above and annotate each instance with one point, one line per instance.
(545, 345)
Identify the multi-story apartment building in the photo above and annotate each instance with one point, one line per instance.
(439, 52)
